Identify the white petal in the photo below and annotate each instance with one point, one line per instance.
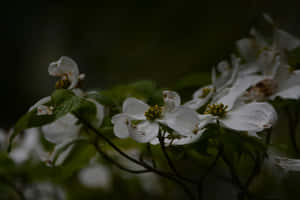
(57, 157)
(206, 119)
(291, 93)
(95, 176)
(99, 114)
(269, 62)
(282, 75)
(248, 49)
(144, 131)
(197, 100)
(121, 123)
(290, 87)
(171, 99)
(183, 120)
(224, 69)
(236, 65)
(268, 18)
(253, 134)
(285, 40)
(40, 102)
(287, 164)
(292, 81)
(65, 66)
(62, 130)
(260, 40)
(29, 146)
(239, 87)
(135, 108)
(253, 117)
(78, 92)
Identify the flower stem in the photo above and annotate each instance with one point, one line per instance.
(105, 156)
(143, 164)
(293, 122)
(209, 169)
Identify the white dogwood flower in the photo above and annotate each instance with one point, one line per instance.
(219, 85)
(141, 121)
(284, 83)
(28, 147)
(64, 129)
(260, 55)
(67, 70)
(95, 175)
(236, 115)
(177, 139)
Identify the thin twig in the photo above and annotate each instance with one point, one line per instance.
(105, 156)
(209, 169)
(170, 162)
(143, 164)
(151, 155)
(293, 122)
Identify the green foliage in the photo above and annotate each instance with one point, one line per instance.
(188, 84)
(79, 157)
(63, 102)
(114, 97)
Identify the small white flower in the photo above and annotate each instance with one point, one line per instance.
(44, 191)
(283, 83)
(67, 70)
(28, 148)
(65, 128)
(200, 97)
(219, 85)
(252, 117)
(141, 121)
(95, 175)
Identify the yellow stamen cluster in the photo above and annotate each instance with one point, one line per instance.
(153, 112)
(63, 83)
(219, 110)
(205, 92)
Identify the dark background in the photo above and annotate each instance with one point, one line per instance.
(121, 41)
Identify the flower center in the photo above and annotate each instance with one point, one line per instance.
(63, 83)
(154, 112)
(219, 110)
(262, 90)
(205, 92)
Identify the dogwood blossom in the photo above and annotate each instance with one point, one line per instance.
(28, 147)
(95, 175)
(142, 122)
(260, 55)
(236, 115)
(278, 78)
(219, 85)
(68, 71)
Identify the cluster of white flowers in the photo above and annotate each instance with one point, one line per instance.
(237, 99)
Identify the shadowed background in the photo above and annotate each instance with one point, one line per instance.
(122, 41)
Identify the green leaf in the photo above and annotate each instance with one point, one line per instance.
(29, 120)
(79, 157)
(63, 102)
(114, 97)
(194, 80)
